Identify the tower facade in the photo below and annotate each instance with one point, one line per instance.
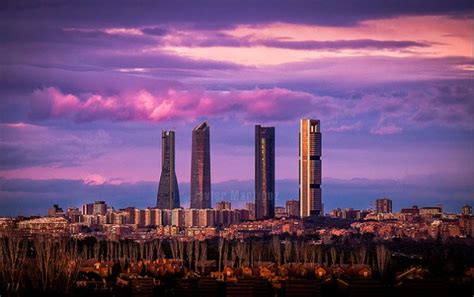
(264, 172)
(168, 192)
(383, 205)
(310, 168)
(201, 167)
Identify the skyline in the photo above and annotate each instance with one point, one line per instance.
(84, 99)
(239, 198)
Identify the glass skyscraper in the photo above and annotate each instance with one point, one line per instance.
(201, 167)
(264, 172)
(310, 168)
(168, 192)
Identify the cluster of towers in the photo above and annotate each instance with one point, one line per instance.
(309, 170)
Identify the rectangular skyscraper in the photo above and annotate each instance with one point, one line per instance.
(168, 192)
(383, 205)
(264, 172)
(201, 167)
(310, 168)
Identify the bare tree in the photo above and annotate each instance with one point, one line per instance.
(239, 252)
(361, 255)
(276, 249)
(383, 258)
(174, 248)
(12, 257)
(287, 251)
(181, 250)
(203, 255)
(196, 256)
(189, 252)
(333, 253)
(57, 265)
(220, 247)
(226, 254)
(257, 250)
(320, 256)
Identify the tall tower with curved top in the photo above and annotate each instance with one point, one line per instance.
(168, 192)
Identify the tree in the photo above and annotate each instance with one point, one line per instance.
(12, 257)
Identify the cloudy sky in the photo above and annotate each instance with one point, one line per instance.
(87, 86)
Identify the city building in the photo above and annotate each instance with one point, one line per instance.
(87, 209)
(383, 205)
(177, 217)
(166, 217)
(206, 217)
(225, 217)
(410, 211)
(74, 215)
(221, 205)
(46, 225)
(201, 167)
(293, 208)
(264, 172)
(55, 211)
(153, 217)
(191, 217)
(251, 208)
(310, 168)
(280, 212)
(244, 214)
(99, 207)
(467, 210)
(431, 211)
(168, 192)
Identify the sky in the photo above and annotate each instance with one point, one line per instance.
(86, 87)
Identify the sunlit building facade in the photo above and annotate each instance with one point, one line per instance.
(310, 168)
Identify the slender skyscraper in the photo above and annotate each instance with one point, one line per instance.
(201, 167)
(310, 168)
(264, 172)
(168, 192)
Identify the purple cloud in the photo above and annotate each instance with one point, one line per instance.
(168, 105)
(386, 130)
(210, 39)
(26, 145)
(343, 44)
(218, 14)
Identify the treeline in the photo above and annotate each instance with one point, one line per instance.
(51, 265)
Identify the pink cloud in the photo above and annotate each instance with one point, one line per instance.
(268, 104)
(393, 111)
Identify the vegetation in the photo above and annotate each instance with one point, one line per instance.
(51, 265)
